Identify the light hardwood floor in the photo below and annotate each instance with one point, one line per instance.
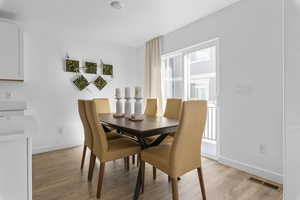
(57, 176)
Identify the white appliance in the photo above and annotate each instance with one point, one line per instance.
(15, 151)
(11, 51)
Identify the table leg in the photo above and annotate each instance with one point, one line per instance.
(138, 184)
(106, 129)
(143, 143)
(158, 140)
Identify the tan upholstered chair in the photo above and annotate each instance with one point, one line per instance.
(172, 111)
(103, 149)
(151, 110)
(88, 137)
(173, 108)
(184, 154)
(151, 107)
(103, 107)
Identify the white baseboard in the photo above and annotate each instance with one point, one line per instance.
(213, 157)
(37, 150)
(266, 174)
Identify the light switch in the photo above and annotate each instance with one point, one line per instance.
(243, 89)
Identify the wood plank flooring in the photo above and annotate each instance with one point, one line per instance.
(57, 176)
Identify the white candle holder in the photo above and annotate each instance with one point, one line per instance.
(137, 116)
(119, 108)
(128, 111)
(119, 104)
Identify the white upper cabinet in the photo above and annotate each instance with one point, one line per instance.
(11, 51)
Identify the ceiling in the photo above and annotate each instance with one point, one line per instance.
(137, 22)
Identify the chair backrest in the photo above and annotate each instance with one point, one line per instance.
(151, 107)
(186, 148)
(100, 144)
(173, 108)
(88, 136)
(102, 105)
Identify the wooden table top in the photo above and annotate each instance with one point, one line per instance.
(150, 126)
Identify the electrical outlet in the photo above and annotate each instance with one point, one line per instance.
(262, 149)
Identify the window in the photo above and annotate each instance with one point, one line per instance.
(191, 74)
(174, 77)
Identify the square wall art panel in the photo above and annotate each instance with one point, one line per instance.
(81, 82)
(107, 69)
(100, 83)
(72, 65)
(90, 68)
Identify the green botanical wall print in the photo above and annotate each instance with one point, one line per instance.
(100, 83)
(90, 68)
(107, 69)
(72, 65)
(81, 82)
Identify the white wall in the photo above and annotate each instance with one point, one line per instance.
(250, 34)
(51, 96)
(292, 99)
(141, 63)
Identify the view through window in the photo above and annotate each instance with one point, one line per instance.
(191, 75)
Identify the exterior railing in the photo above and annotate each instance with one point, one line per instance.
(210, 132)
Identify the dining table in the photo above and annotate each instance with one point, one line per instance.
(139, 131)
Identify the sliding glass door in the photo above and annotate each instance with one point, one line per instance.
(191, 74)
(173, 77)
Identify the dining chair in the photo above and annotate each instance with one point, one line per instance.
(151, 107)
(184, 155)
(103, 107)
(103, 149)
(173, 108)
(88, 137)
(172, 111)
(150, 110)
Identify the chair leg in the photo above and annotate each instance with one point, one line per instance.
(201, 181)
(92, 166)
(138, 160)
(175, 188)
(100, 181)
(133, 159)
(127, 163)
(143, 165)
(83, 157)
(154, 173)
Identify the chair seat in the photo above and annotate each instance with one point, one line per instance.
(120, 148)
(168, 140)
(113, 135)
(151, 139)
(158, 156)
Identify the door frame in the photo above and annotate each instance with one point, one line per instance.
(202, 45)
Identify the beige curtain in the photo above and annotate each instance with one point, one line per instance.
(153, 82)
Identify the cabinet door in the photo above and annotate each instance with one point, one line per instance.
(10, 51)
(14, 170)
